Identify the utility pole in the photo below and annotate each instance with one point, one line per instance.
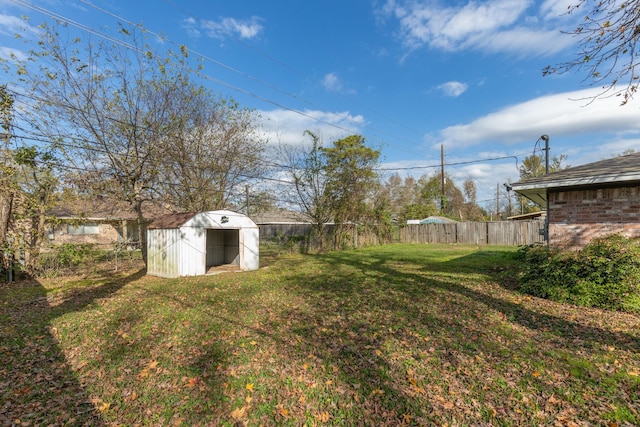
(498, 201)
(545, 138)
(442, 196)
(509, 188)
(246, 192)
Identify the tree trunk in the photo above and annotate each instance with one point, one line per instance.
(142, 229)
(6, 206)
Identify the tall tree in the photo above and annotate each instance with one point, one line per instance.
(399, 194)
(431, 195)
(37, 183)
(307, 170)
(470, 211)
(351, 179)
(109, 105)
(215, 151)
(607, 48)
(7, 168)
(533, 166)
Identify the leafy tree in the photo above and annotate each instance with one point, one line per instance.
(533, 166)
(470, 211)
(216, 150)
(37, 183)
(336, 183)
(351, 179)
(431, 195)
(122, 113)
(399, 194)
(307, 170)
(7, 169)
(607, 48)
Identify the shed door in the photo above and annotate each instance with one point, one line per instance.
(223, 247)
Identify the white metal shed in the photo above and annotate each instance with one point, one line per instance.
(191, 244)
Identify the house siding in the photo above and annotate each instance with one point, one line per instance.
(577, 216)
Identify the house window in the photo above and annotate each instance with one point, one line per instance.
(87, 228)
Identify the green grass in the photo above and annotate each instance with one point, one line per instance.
(398, 334)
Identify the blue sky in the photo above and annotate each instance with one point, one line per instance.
(409, 75)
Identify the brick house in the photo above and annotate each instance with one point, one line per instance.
(99, 222)
(588, 201)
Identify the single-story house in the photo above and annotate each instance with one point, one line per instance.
(193, 244)
(588, 201)
(100, 222)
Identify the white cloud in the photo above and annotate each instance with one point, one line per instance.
(287, 127)
(225, 27)
(491, 26)
(453, 89)
(332, 82)
(9, 53)
(11, 25)
(567, 114)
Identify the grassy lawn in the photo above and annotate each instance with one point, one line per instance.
(392, 335)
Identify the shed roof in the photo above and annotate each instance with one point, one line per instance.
(619, 170)
(209, 219)
(172, 220)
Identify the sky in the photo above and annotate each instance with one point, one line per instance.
(411, 76)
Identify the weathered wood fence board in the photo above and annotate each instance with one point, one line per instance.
(511, 233)
(508, 233)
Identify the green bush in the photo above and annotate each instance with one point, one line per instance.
(605, 274)
(63, 257)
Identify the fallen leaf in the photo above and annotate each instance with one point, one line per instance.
(284, 412)
(104, 407)
(192, 382)
(448, 405)
(250, 387)
(323, 417)
(238, 413)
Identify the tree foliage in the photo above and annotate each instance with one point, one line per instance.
(336, 183)
(607, 47)
(533, 166)
(130, 124)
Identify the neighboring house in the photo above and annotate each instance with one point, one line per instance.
(98, 222)
(282, 224)
(588, 201)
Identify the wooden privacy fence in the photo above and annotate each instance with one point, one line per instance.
(511, 233)
(508, 233)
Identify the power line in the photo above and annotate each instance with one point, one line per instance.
(248, 76)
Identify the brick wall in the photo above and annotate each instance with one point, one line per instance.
(577, 216)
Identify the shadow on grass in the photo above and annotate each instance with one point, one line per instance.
(363, 304)
(486, 265)
(37, 384)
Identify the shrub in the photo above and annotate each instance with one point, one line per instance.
(64, 257)
(605, 274)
